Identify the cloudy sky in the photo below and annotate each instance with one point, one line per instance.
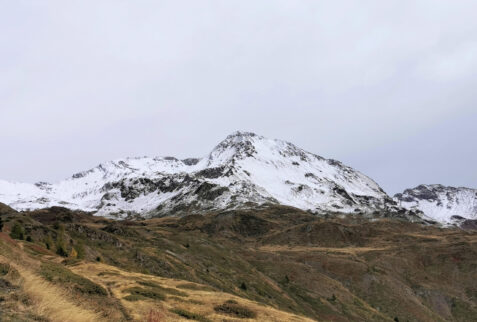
(387, 87)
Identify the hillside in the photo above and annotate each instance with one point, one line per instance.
(222, 266)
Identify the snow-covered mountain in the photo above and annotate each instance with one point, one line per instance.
(447, 205)
(243, 170)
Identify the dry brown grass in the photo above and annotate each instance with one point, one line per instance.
(343, 250)
(200, 300)
(51, 301)
(48, 300)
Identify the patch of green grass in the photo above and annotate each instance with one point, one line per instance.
(138, 293)
(4, 269)
(461, 310)
(135, 297)
(235, 310)
(149, 284)
(160, 288)
(231, 302)
(108, 273)
(189, 315)
(58, 274)
(194, 287)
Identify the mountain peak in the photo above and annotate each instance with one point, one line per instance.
(243, 169)
(241, 135)
(439, 202)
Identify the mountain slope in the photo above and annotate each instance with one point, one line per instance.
(267, 261)
(444, 204)
(245, 169)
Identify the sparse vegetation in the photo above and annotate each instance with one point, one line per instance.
(332, 298)
(17, 231)
(48, 241)
(4, 269)
(73, 253)
(196, 287)
(235, 310)
(60, 241)
(329, 269)
(80, 250)
(138, 293)
(58, 274)
(189, 315)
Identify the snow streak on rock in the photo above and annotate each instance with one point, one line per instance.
(446, 205)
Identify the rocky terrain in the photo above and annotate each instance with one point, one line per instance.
(447, 205)
(243, 171)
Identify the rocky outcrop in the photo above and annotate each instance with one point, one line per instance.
(447, 205)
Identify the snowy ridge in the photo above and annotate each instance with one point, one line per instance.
(245, 169)
(447, 205)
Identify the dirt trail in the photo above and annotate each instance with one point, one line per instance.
(52, 301)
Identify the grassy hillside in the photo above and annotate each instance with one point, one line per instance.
(272, 264)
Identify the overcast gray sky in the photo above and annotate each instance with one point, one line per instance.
(387, 87)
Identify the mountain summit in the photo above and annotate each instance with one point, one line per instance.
(243, 170)
(447, 205)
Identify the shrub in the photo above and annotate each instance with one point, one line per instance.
(189, 315)
(17, 232)
(80, 250)
(61, 250)
(137, 293)
(48, 241)
(332, 298)
(235, 310)
(29, 239)
(60, 242)
(4, 269)
(231, 302)
(159, 288)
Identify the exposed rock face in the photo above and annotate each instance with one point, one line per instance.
(447, 205)
(244, 170)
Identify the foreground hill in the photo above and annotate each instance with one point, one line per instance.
(270, 264)
(242, 171)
